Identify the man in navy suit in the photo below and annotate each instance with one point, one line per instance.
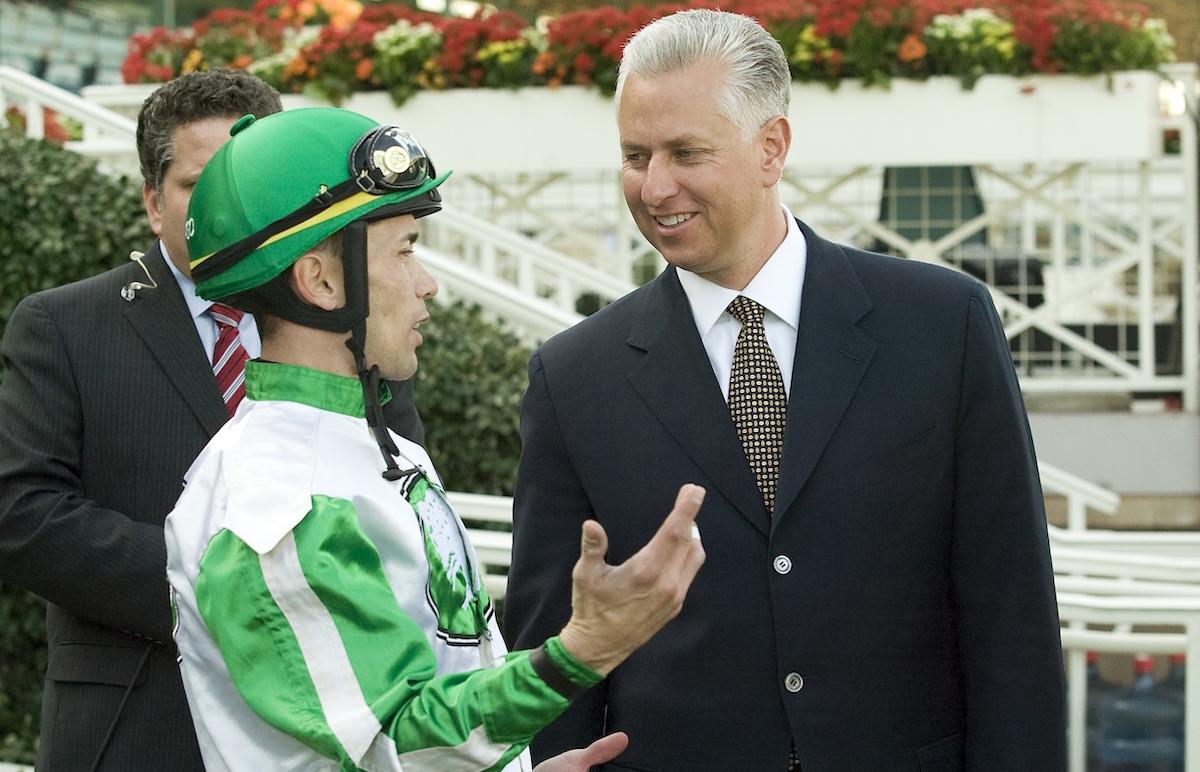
(109, 396)
(888, 602)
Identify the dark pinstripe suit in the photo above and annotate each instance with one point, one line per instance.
(104, 406)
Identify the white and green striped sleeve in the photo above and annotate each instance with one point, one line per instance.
(318, 646)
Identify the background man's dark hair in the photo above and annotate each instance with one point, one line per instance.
(195, 96)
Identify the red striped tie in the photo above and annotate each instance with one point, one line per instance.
(229, 357)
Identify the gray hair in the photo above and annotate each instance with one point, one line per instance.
(196, 96)
(759, 82)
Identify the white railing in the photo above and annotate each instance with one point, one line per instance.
(489, 523)
(531, 318)
(1162, 543)
(1081, 495)
(1110, 582)
(1081, 605)
(107, 136)
(533, 268)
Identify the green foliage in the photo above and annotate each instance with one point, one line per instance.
(62, 219)
(468, 390)
(1086, 46)
(22, 663)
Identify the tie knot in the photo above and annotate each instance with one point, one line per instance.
(224, 315)
(746, 310)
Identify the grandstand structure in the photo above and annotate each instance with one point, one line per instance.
(1087, 238)
(69, 48)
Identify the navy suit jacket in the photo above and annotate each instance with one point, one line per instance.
(896, 613)
(104, 406)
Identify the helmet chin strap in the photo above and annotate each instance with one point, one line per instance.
(369, 377)
(356, 244)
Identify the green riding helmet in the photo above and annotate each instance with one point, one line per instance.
(286, 182)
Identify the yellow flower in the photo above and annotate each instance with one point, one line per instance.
(809, 46)
(192, 62)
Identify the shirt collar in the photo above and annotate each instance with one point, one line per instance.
(777, 286)
(197, 306)
(315, 388)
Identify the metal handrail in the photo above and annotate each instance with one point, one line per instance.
(1081, 495)
(1165, 543)
(1082, 609)
(533, 319)
(534, 256)
(37, 94)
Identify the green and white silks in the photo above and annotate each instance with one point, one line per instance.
(328, 619)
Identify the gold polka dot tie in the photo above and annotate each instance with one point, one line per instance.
(757, 400)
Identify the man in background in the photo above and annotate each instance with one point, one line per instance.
(111, 391)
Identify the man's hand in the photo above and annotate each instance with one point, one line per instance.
(615, 609)
(605, 749)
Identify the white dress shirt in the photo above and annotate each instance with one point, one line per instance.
(776, 287)
(206, 326)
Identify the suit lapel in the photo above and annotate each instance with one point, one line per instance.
(676, 382)
(832, 355)
(161, 317)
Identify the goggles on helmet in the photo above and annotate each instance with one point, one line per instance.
(388, 159)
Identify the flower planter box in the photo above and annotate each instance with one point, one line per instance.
(482, 131)
(1034, 119)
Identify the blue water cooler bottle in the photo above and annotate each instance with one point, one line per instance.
(1139, 726)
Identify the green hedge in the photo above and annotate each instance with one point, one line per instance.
(63, 220)
(468, 388)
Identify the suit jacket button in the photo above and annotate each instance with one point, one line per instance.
(782, 564)
(793, 682)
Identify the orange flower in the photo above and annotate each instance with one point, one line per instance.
(296, 67)
(911, 49)
(362, 70)
(542, 64)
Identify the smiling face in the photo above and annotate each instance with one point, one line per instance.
(193, 144)
(702, 196)
(399, 286)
